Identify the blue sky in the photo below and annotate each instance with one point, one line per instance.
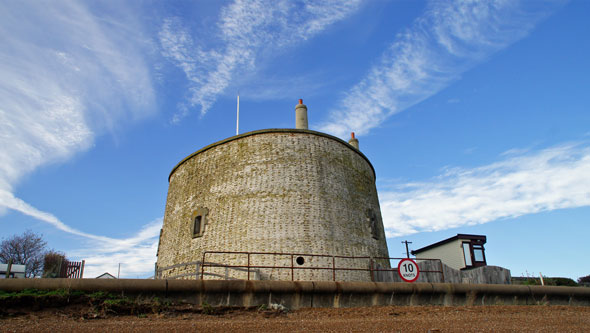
(474, 114)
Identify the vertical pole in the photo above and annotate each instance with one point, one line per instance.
(333, 268)
(238, 117)
(407, 250)
(59, 275)
(248, 266)
(156, 270)
(292, 275)
(8, 268)
(82, 269)
(203, 267)
(119, 272)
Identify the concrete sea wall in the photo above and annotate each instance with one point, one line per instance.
(302, 294)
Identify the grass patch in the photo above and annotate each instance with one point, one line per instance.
(97, 304)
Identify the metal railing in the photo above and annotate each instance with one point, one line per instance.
(373, 266)
(194, 270)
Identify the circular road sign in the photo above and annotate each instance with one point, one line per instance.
(408, 270)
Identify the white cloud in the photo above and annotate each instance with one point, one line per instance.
(67, 74)
(450, 38)
(136, 254)
(246, 29)
(554, 178)
(59, 89)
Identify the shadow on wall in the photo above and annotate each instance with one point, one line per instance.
(430, 272)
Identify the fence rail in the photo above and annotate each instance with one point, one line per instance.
(72, 269)
(373, 268)
(194, 270)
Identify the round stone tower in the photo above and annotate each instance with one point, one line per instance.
(289, 197)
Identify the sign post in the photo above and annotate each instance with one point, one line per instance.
(408, 270)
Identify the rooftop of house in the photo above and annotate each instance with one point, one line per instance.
(478, 238)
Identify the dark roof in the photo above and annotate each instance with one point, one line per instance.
(481, 238)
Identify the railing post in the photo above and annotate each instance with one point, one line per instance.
(333, 268)
(8, 268)
(203, 266)
(248, 266)
(292, 268)
(82, 269)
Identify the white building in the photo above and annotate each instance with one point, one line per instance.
(459, 252)
(16, 271)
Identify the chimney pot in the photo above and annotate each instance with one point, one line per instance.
(301, 115)
(353, 141)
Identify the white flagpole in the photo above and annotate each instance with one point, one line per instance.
(238, 117)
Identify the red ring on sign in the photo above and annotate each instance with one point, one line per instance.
(400, 274)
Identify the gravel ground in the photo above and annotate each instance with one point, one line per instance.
(371, 319)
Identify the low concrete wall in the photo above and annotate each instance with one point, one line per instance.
(479, 275)
(300, 294)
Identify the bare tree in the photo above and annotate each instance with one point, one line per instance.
(26, 249)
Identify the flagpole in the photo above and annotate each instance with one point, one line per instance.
(238, 117)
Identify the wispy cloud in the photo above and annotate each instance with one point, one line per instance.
(67, 74)
(554, 178)
(450, 38)
(246, 29)
(60, 89)
(137, 253)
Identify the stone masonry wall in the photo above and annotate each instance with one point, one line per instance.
(294, 191)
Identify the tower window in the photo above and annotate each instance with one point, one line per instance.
(197, 225)
(199, 221)
(372, 220)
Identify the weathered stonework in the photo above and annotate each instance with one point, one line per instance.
(277, 190)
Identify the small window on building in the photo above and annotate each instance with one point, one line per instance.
(372, 220)
(478, 255)
(199, 221)
(197, 226)
(467, 255)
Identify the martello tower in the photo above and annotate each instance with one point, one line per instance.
(290, 191)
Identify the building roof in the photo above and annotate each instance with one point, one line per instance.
(480, 238)
(272, 130)
(106, 275)
(13, 269)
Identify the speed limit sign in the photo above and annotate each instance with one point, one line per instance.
(408, 270)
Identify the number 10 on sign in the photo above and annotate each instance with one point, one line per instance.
(408, 270)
